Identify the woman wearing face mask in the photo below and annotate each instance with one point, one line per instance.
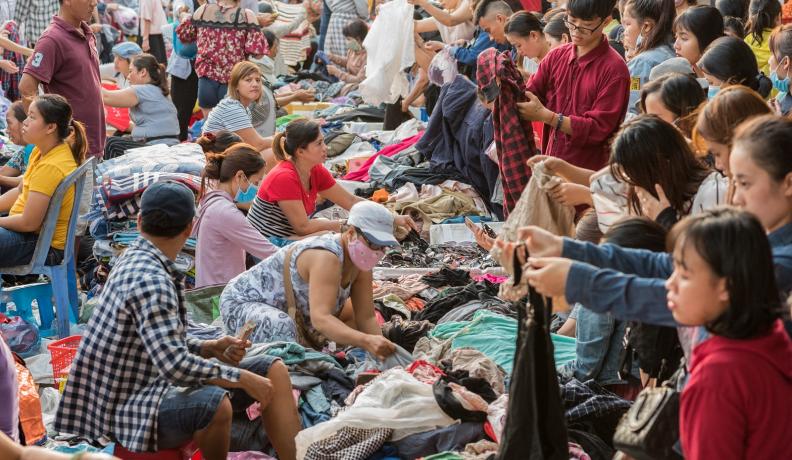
(781, 67)
(694, 30)
(762, 171)
(352, 67)
(648, 36)
(730, 61)
(301, 293)
(223, 233)
(287, 196)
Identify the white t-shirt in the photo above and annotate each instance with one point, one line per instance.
(152, 10)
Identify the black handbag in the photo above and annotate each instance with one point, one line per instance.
(650, 429)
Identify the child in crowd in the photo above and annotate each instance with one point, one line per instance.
(60, 147)
(764, 16)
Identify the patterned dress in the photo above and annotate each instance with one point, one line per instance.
(258, 294)
(221, 45)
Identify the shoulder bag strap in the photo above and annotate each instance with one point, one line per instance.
(291, 301)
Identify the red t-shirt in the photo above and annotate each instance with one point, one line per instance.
(65, 61)
(283, 183)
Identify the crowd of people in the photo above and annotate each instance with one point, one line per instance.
(639, 153)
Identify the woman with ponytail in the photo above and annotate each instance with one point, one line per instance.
(730, 61)
(287, 196)
(223, 233)
(153, 114)
(648, 36)
(60, 147)
(763, 17)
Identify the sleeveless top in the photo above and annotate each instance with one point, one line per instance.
(264, 284)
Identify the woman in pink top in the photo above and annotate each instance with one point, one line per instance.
(224, 235)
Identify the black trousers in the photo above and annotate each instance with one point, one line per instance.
(156, 47)
(184, 94)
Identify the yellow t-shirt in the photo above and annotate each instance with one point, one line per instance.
(762, 52)
(43, 175)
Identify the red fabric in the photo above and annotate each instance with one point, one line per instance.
(362, 173)
(737, 401)
(593, 91)
(532, 5)
(514, 138)
(117, 117)
(283, 184)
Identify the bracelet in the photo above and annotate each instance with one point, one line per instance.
(560, 121)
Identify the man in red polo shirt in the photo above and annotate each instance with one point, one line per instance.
(581, 89)
(65, 62)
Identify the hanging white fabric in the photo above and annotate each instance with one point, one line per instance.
(390, 45)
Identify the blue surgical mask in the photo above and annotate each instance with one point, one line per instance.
(712, 91)
(248, 195)
(782, 85)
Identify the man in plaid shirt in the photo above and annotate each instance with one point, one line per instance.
(139, 380)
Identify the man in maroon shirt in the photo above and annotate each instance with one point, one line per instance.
(581, 89)
(65, 62)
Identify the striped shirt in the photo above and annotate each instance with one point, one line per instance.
(229, 115)
(269, 219)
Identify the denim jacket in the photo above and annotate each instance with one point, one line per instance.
(599, 344)
(630, 283)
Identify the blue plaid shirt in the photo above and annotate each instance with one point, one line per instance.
(135, 348)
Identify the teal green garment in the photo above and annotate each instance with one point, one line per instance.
(444, 456)
(294, 353)
(496, 336)
(286, 119)
(563, 349)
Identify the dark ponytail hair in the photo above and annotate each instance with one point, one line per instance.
(662, 12)
(54, 109)
(522, 23)
(734, 24)
(218, 142)
(733, 8)
(17, 110)
(223, 166)
(555, 26)
(704, 22)
(156, 71)
(732, 61)
(298, 135)
(762, 15)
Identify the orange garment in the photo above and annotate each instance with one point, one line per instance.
(415, 304)
(380, 196)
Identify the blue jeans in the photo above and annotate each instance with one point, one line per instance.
(17, 249)
(184, 411)
(210, 92)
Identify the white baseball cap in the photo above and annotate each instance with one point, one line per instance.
(374, 221)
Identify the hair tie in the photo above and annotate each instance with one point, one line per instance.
(210, 136)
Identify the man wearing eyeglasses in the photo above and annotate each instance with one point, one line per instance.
(581, 89)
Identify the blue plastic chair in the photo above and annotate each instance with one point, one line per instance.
(63, 277)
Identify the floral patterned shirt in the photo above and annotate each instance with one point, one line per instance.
(221, 45)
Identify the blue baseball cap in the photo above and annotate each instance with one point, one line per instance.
(127, 50)
(173, 199)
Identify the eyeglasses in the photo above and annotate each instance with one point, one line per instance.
(574, 27)
(372, 246)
